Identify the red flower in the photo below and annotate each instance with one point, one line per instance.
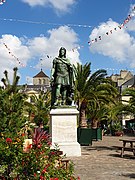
(54, 178)
(8, 140)
(45, 137)
(44, 170)
(23, 134)
(49, 143)
(52, 153)
(41, 177)
(35, 174)
(78, 178)
(29, 146)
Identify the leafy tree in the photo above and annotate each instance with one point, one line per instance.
(26, 161)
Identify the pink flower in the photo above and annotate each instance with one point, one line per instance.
(39, 146)
(8, 140)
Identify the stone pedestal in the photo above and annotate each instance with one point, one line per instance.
(63, 130)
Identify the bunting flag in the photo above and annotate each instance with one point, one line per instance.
(2, 2)
(76, 48)
(10, 52)
(116, 28)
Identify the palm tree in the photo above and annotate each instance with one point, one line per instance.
(80, 91)
(41, 107)
(129, 107)
(101, 102)
(12, 103)
(91, 88)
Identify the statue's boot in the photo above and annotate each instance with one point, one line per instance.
(63, 102)
(56, 102)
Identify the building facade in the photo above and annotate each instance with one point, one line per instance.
(41, 82)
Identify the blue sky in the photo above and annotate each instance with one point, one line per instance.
(32, 31)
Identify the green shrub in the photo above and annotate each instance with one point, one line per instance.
(35, 161)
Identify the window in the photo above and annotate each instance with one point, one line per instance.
(39, 81)
(44, 81)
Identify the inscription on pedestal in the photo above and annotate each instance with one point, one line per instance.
(63, 130)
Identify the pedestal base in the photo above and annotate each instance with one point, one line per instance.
(63, 130)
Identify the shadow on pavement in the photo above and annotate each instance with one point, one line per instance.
(98, 148)
(126, 156)
(132, 175)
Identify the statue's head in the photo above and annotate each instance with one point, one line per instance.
(62, 52)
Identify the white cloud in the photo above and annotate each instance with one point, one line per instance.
(118, 45)
(12, 53)
(131, 24)
(49, 47)
(58, 5)
(20, 51)
(29, 80)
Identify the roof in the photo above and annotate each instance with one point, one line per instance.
(40, 74)
(37, 87)
(130, 82)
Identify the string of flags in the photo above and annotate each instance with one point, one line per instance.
(96, 39)
(16, 58)
(46, 23)
(10, 52)
(99, 38)
(46, 55)
(33, 67)
(77, 47)
(2, 2)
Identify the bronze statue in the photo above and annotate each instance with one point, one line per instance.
(62, 80)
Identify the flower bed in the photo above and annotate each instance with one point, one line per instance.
(37, 161)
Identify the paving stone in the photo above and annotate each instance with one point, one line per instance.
(102, 162)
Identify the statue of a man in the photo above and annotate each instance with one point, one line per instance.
(62, 80)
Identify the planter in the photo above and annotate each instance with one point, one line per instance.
(84, 136)
(118, 133)
(97, 134)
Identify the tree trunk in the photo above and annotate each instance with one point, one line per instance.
(94, 123)
(82, 118)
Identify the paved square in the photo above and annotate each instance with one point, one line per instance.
(102, 162)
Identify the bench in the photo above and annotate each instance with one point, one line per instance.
(64, 163)
(125, 149)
